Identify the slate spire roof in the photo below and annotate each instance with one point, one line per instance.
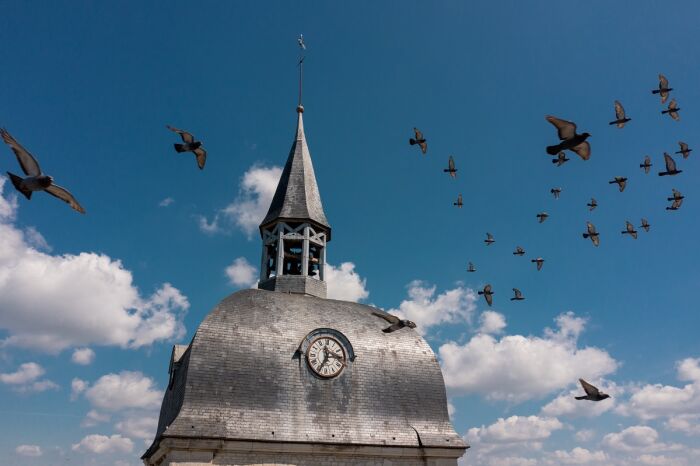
(297, 196)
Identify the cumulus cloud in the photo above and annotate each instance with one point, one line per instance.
(36, 239)
(689, 424)
(492, 322)
(637, 439)
(566, 405)
(250, 206)
(578, 456)
(25, 379)
(78, 386)
(100, 444)
(8, 204)
(518, 368)
(83, 356)
(93, 417)
(345, 284)
(138, 425)
(241, 273)
(427, 310)
(585, 435)
(28, 450)
(166, 202)
(125, 390)
(515, 429)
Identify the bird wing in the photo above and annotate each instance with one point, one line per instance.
(459, 199)
(629, 226)
(423, 147)
(64, 195)
(591, 228)
(596, 240)
(670, 163)
(451, 164)
(517, 292)
(487, 289)
(565, 129)
(677, 203)
(663, 82)
(201, 157)
(583, 150)
(392, 319)
(588, 388)
(489, 299)
(489, 236)
(684, 146)
(622, 183)
(419, 134)
(539, 264)
(186, 137)
(29, 165)
(619, 110)
(676, 193)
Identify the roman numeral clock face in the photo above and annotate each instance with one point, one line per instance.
(326, 357)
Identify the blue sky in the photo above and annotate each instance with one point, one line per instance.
(88, 88)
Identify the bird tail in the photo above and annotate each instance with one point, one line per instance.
(580, 397)
(180, 147)
(412, 141)
(17, 182)
(553, 150)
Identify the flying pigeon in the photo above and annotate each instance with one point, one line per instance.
(556, 192)
(518, 295)
(420, 140)
(35, 180)
(670, 166)
(489, 239)
(566, 130)
(542, 216)
(621, 119)
(645, 225)
(301, 43)
(675, 205)
(621, 182)
(684, 149)
(190, 145)
(519, 251)
(488, 294)
(646, 165)
(592, 393)
(663, 88)
(676, 195)
(459, 201)
(629, 230)
(396, 323)
(592, 205)
(539, 261)
(471, 268)
(561, 159)
(592, 234)
(673, 110)
(451, 168)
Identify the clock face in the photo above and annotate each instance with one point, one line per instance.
(326, 357)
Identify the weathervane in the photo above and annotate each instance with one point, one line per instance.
(302, 48)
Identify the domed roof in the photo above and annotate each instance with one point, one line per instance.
(244, 377)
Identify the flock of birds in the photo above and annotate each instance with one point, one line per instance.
(571, 140)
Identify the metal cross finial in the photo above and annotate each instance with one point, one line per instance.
(302, 48)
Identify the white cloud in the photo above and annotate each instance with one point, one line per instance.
(36, 239)
(510, 461)
(93, 417)
(492, 322)
(515, 429)
(578, 456)
(250, 206)
(241, 273)
(344, 283)
(83, 356)
(8, 204)
(78, 386)
(126, 390)
(28, 450)
(660, 460)
(567, 405)
(585, 435)
(102, 444)
(166, 202)
(24, 379)
(427, 310)
(637, 439)
(689, 424)
(517, 368)
(138, 425)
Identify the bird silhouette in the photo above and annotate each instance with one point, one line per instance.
(673, 110)
(629, 230)
(488, 294)
(539, 261)
(190, 145)
(451, 168)
(676, 195)
(35, 180)
(670, 166)
(489, 239)
(471, 268)
(542, 216)
(570, 140)
(420, 140)
(519, 251)
(685, 150)
(621, 182)
(592, 205)
(555, 192)
(561, 159)
(620, 116)
(592, 234)
(646, 165)
(645, 225)
(459, 201)
(396, 323)
(663, 88)
(592, 392)
(518, 295)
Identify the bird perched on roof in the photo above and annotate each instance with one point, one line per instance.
(451, 168)
(620, 117)
(670, 166)
(561, 159)
(566, 130)
(645, 225)
(592, 205)
(489, 239)
(420, 140)
(471, 268)
(518, 295)
(555, 192)
(539, 261)
(396, 323)
(592, 392)
(621, 182)
(673, 110)
(592, 234)
(35, 180)
(190, 145)
(646, 166)
(663, 88)
(542, 216)
(519, 251)
(629, 230)
(459, 201)
(685, 150)
(488, 294)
